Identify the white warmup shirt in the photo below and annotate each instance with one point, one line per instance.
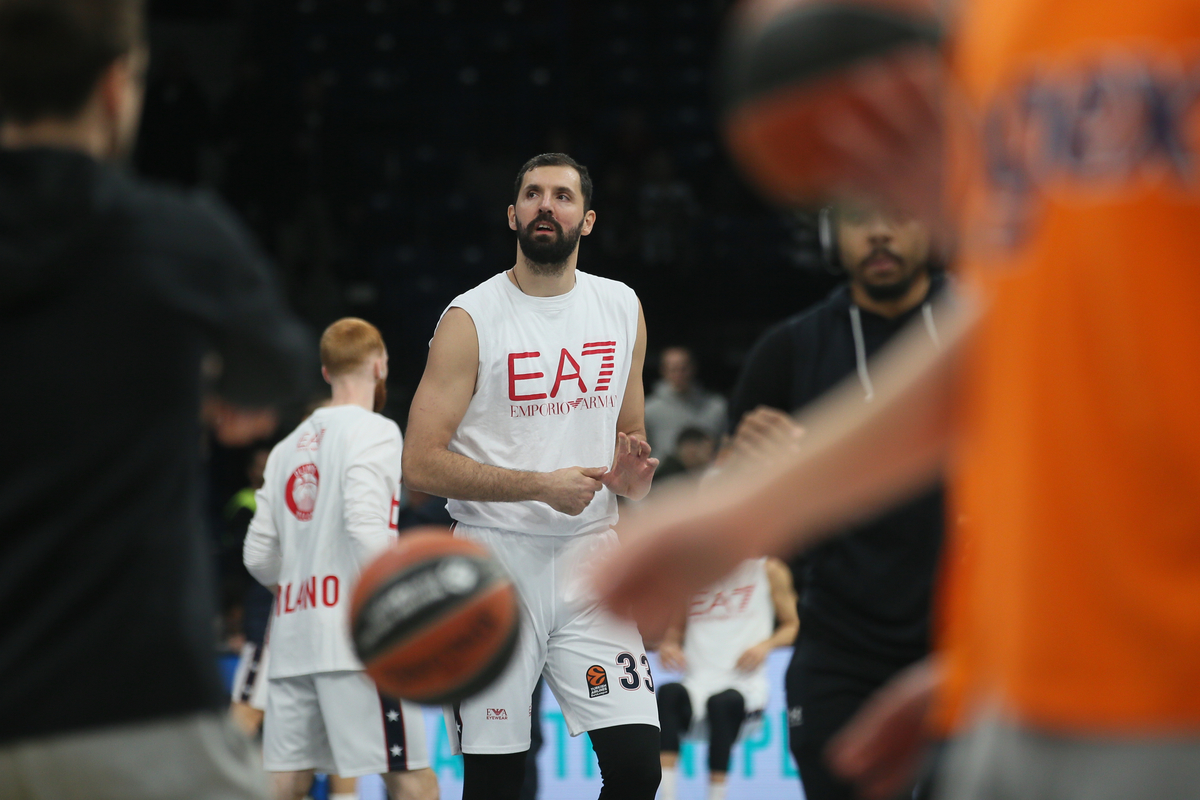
(330, 492)
(724, 621)
(552, 375)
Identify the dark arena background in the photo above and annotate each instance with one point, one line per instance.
(371, 145)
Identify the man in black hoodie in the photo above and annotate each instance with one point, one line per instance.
(112, 292)
(864, 597)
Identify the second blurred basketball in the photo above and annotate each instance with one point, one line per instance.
(786, 77)
(434, 619)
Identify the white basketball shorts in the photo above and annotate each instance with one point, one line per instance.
(250, 678)
(594, 662)
(339, 723)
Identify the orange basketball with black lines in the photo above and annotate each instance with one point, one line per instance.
(434, 618)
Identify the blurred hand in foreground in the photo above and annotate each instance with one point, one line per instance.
(882, 748)
(762, 434)
(670, 550)
(672, 658)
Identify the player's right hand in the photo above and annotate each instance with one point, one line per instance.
(570, 490)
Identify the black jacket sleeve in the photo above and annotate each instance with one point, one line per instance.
(217, 276)
(766, 376)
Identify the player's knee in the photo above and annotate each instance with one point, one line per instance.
(671, 699)
(727, 706)
(636, 775)
(493, 776)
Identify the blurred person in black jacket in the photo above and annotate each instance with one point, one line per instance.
(864, 597)
(111, 294)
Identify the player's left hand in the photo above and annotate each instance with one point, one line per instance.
(753, 658)
(632, 469)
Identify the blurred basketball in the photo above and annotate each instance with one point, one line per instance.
(785, 80)
(433, 618)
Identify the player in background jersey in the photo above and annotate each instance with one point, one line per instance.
(324, 511)
(721, 647)
(529, 417)
(1069, 655)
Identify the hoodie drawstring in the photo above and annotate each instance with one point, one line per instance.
(860, 345)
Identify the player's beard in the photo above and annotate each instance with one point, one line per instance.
(548, 257)
(380, 394)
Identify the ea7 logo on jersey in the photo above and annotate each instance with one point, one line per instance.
(569, 372)
(301, 492)
(523, 386)
(497, 714)
(721, 603)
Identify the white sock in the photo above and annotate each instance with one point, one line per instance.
(716, 791)
(344, 796)
(667, 785)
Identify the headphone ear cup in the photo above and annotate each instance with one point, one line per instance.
(827, 236)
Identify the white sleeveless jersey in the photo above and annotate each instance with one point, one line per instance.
(552, 375)
(330, 493)
(724, 621)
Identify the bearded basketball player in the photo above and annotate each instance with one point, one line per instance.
(529, 417)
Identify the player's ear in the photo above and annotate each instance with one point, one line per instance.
(325, 375)
(512, 217)
(589, 219)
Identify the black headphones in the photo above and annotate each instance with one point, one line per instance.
(831, 259)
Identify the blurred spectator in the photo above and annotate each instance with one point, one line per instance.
(694, 451)
(680, 402)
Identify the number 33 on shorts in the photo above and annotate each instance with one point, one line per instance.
(631, 679)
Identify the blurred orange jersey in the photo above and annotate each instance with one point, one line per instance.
(1073, 585)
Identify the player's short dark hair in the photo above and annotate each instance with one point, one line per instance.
(556, 160)
(693, 434)
(52, 52)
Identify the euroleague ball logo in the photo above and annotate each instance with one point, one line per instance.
(301, 491)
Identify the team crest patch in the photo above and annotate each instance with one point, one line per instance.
(301, 492)
(597, 680)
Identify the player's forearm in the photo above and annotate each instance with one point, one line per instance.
(369, 535)
(784, 635)
(440, 472)
(261, 557)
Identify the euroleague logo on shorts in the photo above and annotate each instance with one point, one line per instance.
(597, 680)
(301, 492)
